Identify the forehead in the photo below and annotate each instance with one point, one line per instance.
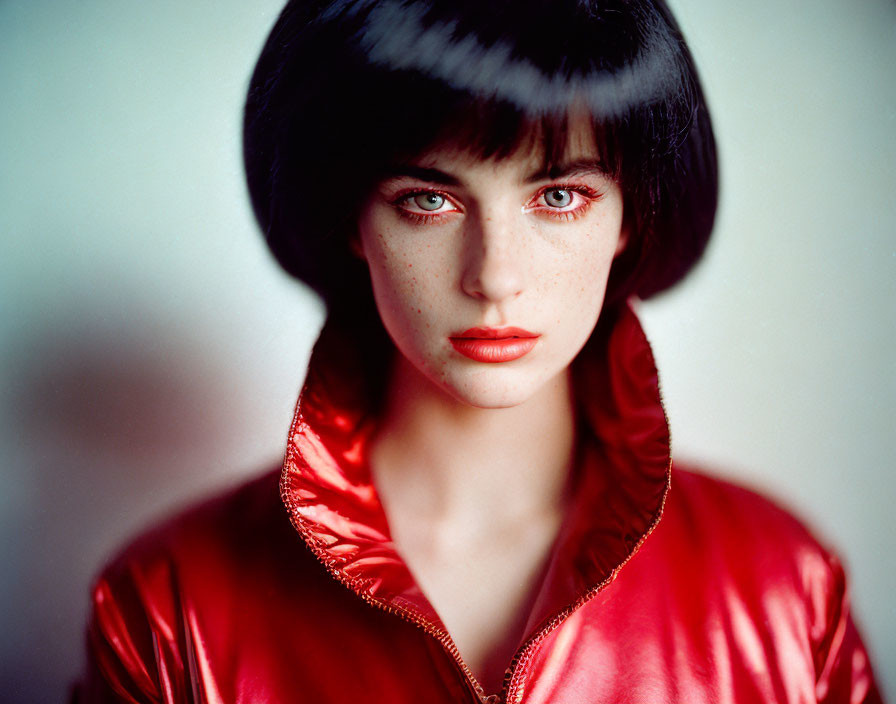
(539, 153)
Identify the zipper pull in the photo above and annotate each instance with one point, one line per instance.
(491, 699)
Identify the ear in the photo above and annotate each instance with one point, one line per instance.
(354, 244)
(624, 232)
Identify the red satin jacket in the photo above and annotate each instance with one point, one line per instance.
(662, 586)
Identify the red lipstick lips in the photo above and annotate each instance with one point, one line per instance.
(492, 345)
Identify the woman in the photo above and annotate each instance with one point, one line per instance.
(478, 476)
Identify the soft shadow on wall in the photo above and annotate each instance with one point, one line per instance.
(110, 414)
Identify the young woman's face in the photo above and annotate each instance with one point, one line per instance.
(488, 275)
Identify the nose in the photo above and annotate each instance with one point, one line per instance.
(493, 260)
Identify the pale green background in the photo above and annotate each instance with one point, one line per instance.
(151, 351)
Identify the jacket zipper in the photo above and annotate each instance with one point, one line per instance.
(442, 636)
(513, 675)
(510, 693)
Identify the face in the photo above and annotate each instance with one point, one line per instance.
(488, 275)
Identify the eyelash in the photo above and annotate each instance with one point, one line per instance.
(589, 195)
(419, 218)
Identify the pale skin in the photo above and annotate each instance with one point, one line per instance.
(471, 459)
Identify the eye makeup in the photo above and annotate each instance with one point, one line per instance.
(422, 201)
(405, 206)
(582, 198)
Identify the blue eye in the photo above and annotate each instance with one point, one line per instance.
(558, 197)
(429, 201)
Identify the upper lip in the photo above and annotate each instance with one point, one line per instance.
(493, 333)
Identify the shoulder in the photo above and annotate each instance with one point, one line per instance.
(224, 524)
(743, 542)
(739, 552)
(753, 565)
(210, 578)
(215, 549)
(715, 510)
(145, 597)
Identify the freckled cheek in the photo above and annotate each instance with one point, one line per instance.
(576, 282)
(412, 286)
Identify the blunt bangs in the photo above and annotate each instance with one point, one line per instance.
(346, 89)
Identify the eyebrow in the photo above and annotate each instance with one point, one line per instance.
(579, 167)
(550, 171)
(422, 173)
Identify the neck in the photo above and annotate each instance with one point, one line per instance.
(452, 463)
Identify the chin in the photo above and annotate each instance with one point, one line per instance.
(493, 393)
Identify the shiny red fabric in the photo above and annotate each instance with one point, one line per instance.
(662, 586)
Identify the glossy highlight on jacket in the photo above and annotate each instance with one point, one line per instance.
(665, 585)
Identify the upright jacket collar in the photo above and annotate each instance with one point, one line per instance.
(621, 480)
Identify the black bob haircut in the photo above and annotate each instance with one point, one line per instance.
(344, 89)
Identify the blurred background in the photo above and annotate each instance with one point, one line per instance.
(151, 352)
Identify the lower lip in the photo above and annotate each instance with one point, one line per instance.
(505, 349)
